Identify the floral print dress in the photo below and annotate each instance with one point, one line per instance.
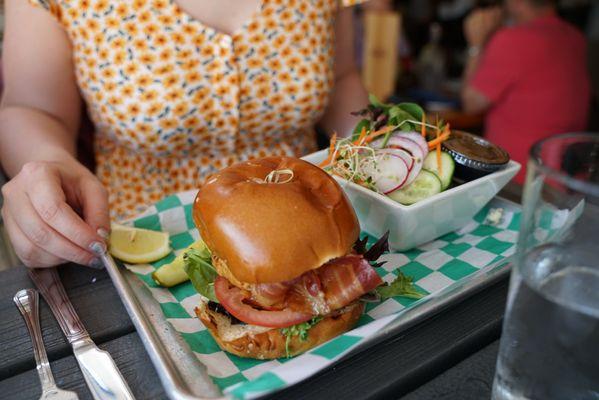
(174, 100)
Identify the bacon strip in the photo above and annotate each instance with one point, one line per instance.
(334, 285)
(347, 278)
(307, 295)
(269, 294)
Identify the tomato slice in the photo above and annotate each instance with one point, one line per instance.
(231, 298)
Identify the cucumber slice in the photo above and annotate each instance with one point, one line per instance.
(425, 185)
(447, 164)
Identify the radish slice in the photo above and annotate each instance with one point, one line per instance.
(407, 157)
(388, 171)
(409, 148)
(414, 171)
(398, 142)
(418, 139)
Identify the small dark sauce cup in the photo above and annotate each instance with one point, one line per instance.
(474, 156)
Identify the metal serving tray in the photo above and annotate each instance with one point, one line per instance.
(185, 378)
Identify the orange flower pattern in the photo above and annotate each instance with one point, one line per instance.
(174, 100)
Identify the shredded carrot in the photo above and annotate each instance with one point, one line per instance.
(325, 162)
(423, 126)
(331, 155)
(441, 138)
(438, 151)
(378, 133)
(360, 140)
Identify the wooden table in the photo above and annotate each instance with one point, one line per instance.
(449, 356)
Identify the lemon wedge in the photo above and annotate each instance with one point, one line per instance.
(136, 245)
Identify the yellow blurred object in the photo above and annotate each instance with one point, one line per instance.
(136, 246)
(381, 61)
(173, 273)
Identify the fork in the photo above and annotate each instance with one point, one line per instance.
(27, 301)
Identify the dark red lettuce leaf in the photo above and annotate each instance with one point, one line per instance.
(375, 251)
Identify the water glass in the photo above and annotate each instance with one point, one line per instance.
(550, 341)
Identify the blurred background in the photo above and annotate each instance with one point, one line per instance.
(416, 50)
(425, 61)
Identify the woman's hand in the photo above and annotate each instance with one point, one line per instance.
(54, 212)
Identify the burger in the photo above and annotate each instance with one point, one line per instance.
(283, 269)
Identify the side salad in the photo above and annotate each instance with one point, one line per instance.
(395, 151)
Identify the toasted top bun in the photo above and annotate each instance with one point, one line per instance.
(253, 341)
(273, 228)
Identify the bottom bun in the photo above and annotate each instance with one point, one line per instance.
(266, 343)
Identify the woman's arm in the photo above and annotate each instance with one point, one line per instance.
(39, 117)
(349, 93)
(40, 109)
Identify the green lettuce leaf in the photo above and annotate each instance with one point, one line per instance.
(402, 286)
(397, 115)
(377, 103)
(413, 109)
(300, 330)
(402, 112)
(198, 266)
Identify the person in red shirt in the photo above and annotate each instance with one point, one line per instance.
(530, 78)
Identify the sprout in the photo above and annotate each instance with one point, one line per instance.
(352, 162)
(279, 176)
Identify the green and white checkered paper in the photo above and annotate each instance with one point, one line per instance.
(433, 266)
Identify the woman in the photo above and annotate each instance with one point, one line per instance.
(176, 90)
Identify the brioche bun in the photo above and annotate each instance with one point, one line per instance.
(269, 232)
(267, 343)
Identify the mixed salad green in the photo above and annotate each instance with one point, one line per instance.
(394, 151)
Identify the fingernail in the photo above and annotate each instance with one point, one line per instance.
(103, 233)
(98, 248)
(96, 264)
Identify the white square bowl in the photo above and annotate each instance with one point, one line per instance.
(419, 223)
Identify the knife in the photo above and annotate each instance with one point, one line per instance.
(101, 374)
